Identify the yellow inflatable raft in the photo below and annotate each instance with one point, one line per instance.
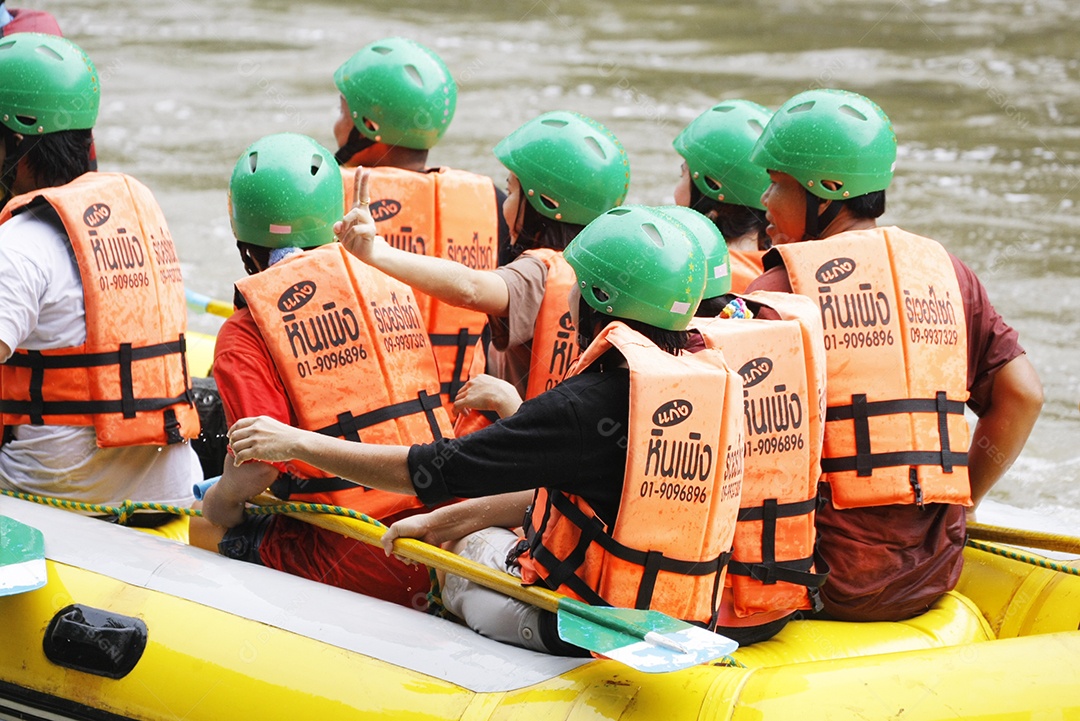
(134, 626)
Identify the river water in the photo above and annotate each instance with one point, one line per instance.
(984, 96)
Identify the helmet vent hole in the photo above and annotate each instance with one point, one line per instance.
(26, 119)
(600, 295)
(549, 203)
(414, 75)
(654, 234)
(833, 185)
(713, 184)
(619, 211)
(42, 50)
(253, 161)
(554, 123)
(802, 107)
(848, 110)
(371, 125)
(382, 50)
(594, 146)
(722, 109)
(755, 126)
(316, 163)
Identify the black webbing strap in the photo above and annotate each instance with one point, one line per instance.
(75, 408)
(349, 426)
(463, 340)
(592, 530)
(796, 571)
(35, 359)
(286, 485)
(127, 392)
(864, 461)
(769, 570)
(783, 510)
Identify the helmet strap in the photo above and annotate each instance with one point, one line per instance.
(355, 143)
(816, 220)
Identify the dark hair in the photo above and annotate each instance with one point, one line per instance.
(871, 205)
(711, 307)
(57, 158)
(538, 231)
(256, 257)
(734, 221)
(591, 322)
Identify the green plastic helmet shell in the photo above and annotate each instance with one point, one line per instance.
(635, 262)
(47, 84)
(399, 93)
(716, 147)
(830, 135)
(713, 245)
(285, 192)
(571, 167)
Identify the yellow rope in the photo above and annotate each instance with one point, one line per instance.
(123, 512)
(1023, 557)
(1028, 539)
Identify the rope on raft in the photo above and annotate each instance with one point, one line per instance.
(1023, 557)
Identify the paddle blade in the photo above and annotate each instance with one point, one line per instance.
(620, 634)
(22, 557)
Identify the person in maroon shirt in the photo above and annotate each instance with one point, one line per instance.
(26, 21)
(889, 561)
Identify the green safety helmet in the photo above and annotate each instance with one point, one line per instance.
(716, 147)
(285, 192)
(47, 84)
(635, 262)
(571, 167)
(399, 93)
(713, 245)
(823, 135)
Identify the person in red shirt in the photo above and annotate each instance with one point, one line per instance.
(284, 197)
(23, 20)
(908, 344)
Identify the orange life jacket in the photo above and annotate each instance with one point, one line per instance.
(349, 344)
(746, 265)
(896, 347)
(554, 341)
(444, 213)
(680, 496)
(782, 364)
(129, 379)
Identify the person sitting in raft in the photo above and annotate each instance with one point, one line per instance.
(899, 467)
(597, 452)
(719, 181)
(322, 342)
(397, 100)
(564, 170)
(74, 304)
(772, 575)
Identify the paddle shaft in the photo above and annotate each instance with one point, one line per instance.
(1029, 539)
(205, 304)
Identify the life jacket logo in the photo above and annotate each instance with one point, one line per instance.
(566, 322)
(384, 209)
(96, 215)
(835, 270)
(672, 413)
(297, 296)
(755, 371)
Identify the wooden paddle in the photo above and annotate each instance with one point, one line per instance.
(648, 641)
(1028, 539)
(205, 304)
(22, 557)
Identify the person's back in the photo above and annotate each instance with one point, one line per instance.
(75, 285)
(397, 101)
(26, 20)
(898, 464)
(324, 343)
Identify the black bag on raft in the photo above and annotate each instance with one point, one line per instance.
(213, 441)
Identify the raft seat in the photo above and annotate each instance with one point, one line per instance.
(952, 621)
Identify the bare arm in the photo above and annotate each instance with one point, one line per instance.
(456, 521)
(224, 502)
(1016, 398)
(264, 439)
(5, 352)
(487, 393)
(450, 282)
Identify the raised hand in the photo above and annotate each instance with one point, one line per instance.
(488, 393)
(356, 230)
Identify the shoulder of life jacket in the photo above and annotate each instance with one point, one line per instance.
(782, 365)
(446, 213)
(349, 344)
(895, 337)
(746, 266)
(670, 544)
(129, 379)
